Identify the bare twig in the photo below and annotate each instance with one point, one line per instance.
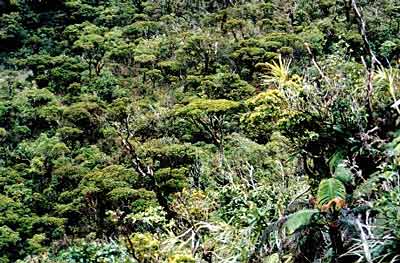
(298, 196)
(314, 61)
(374, 60)
(363, 31)
(370, 88)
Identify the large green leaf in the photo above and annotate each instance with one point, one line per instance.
(343, 174)
(299, 219)
(335, 160)
(330, 189)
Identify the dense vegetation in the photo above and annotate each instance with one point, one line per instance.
(188, 131)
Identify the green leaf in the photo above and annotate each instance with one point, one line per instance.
(330, 189)
(343, 174)
(299, 219)
(336, 159)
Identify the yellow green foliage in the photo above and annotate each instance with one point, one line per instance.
(181, 259)
(145, 247)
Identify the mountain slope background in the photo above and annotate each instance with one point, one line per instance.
(199, 131)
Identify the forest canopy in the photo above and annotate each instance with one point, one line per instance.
(199, 131)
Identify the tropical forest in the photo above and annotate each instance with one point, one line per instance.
(200, 131)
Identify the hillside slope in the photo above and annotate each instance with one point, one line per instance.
(199, 131)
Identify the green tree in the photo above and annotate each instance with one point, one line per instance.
(210, 116)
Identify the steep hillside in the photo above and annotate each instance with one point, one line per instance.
(214, 131)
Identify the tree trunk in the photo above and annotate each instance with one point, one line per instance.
(336, 241)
